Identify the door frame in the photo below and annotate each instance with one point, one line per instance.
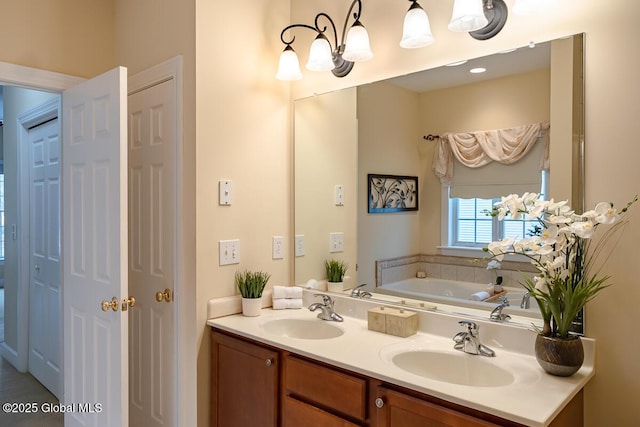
(30, 78)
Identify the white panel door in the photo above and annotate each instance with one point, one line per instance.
(152, 157)
(94, 154)
(45, 333)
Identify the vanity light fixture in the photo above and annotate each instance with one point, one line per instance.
(323, 56)
(416, 31)
(467, 16)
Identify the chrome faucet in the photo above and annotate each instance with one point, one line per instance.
(358, 292)
(497, 315)
(469, 341)
(326, 308)
(526, 300)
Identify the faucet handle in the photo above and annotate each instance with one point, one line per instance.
(472, 327)
(326, 299)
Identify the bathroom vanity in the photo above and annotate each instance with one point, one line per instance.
(288, 368)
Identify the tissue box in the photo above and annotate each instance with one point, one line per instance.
(393, 321)
(377, 319)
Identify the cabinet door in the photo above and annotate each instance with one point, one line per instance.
(244, 383)
(396, 409)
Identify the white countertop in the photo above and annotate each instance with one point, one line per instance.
(534, 398)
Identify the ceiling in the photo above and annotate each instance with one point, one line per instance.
(519, 61)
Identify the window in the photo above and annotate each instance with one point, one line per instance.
(470, 224)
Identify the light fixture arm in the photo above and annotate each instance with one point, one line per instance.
(356, 18)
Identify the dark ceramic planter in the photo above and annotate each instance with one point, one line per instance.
(561, 357)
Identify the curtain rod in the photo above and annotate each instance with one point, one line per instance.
(431, 137)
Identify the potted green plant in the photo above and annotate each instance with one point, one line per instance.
(568, 268)
(251, 284)
(335, 270)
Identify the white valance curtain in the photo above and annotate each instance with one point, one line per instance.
(489, 164)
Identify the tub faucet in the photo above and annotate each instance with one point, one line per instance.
(526, 301)
(358, 292)
(497, 315)
(469, 341)
(326, 308)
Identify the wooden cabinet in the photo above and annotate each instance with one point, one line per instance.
(255, 385)
(396, 409)
(244, 383)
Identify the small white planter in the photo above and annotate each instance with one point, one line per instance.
(335, 286)
(251, 307)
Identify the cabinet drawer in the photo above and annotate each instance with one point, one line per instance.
(297, 413)
(326, 387)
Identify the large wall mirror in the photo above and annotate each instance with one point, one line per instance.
(379, 128)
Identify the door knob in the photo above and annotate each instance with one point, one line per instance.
(164, 295)
(128, 302)
(113, 304)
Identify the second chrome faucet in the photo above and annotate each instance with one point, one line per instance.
(469, 341)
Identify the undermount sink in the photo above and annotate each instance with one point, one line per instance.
(453, 367)
(307, 329)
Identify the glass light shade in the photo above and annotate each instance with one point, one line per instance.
(416, 31)
(533, 7)
(468, 15)
(357, 47)
(289, 65)
(320, 56)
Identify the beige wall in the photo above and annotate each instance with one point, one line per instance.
(611, 145)
(388, 128)
(243, 118)
(67, 36)
(324, 157)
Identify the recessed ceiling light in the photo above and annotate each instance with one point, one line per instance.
(455, 64)
(477, 70)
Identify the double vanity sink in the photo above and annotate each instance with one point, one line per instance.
(510, 385)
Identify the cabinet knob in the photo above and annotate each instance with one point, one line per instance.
(268, 362)
(379, 402)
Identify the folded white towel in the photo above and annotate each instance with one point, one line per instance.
(282, 303)
(480, 296)
(280, 292)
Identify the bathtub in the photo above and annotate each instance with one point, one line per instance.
(455, 292)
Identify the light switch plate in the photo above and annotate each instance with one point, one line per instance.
(229, 251)
(299, 242)
(339, 195)
(226, 192)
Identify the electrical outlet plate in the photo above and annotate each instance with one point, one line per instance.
(277, 247)
(336, 242)
(229, 251)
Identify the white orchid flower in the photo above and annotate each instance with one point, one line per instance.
(583, 229)
(606, 213)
